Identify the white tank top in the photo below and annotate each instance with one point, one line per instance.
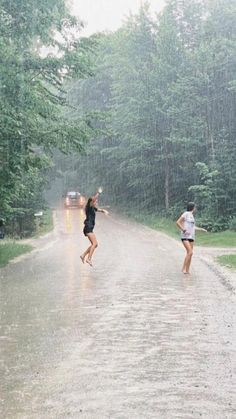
(189, 225)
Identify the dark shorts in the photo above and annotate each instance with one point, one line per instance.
(188, 240)
(87, 230)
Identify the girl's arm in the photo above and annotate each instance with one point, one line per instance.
(95, 200)
(180, 222)
(103, 210)
(95, 197)
(200, 229)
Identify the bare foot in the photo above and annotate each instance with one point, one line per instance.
(186, 273)
(89, 262)
(82, 258)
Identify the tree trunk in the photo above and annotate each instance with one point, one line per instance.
(167, 186)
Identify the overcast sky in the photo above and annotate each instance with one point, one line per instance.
(101, 15)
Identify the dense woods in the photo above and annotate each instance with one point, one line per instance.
(39, 53)
(156, 99)
(165, 88)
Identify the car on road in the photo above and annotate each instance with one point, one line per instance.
(74, 199)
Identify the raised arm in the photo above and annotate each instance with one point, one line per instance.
(95, 197)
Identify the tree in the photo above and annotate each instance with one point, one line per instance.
(33, 101)
(166, 90)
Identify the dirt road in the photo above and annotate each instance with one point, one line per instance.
(130, 338)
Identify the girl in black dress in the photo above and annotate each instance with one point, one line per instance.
(89, 223)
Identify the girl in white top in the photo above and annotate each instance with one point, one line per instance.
(186, 223)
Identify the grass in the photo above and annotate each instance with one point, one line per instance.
(159, 223)
(222, 239)
(228, 260)
(45, 224)
(11, 250)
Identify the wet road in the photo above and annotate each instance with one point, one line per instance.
(129, 338)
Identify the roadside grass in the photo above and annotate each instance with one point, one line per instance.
(158, 223)
(11, 250)
(228, 260)
(222, 239)
(45, 224)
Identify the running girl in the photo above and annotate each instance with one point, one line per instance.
(89, 223)
(186, 224)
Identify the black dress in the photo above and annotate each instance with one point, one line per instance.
(89, 222)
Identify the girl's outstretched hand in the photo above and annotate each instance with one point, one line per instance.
(105, 212)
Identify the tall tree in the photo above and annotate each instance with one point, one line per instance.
(168, 85)
(33, 99)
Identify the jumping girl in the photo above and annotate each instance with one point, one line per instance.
(89, 223)
(186, 224)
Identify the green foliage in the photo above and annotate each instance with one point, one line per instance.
(45, 223)
(212, 239)
(33, 98)
(166, 86)
(204, 192)
(213, 224)
(163, 224)
(232, 224)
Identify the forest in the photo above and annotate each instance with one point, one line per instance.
(148, 111)
(40, 51)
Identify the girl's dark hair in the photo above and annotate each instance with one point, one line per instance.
(88, 204)
(190, 206)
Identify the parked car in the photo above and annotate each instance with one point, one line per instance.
(74, 199)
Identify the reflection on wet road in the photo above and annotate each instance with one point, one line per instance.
(130, 338)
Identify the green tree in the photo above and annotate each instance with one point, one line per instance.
(33, 105)
(164, 93)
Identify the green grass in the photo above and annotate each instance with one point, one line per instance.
(168, 226)
(45, 223)
(228, 260)
(222, 239)
(10, 250)
(159, 223)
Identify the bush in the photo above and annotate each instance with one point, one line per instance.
(220, 224)
(175, 211)
(232, 224)
(21, 226)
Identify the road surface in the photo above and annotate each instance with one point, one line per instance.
(130, 338)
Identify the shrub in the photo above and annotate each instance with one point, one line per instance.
(220, 224)
(232, 224)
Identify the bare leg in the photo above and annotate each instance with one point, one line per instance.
(187, 261)
(190, 257)
(83, 256)
(90, 250)
(92, 238)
